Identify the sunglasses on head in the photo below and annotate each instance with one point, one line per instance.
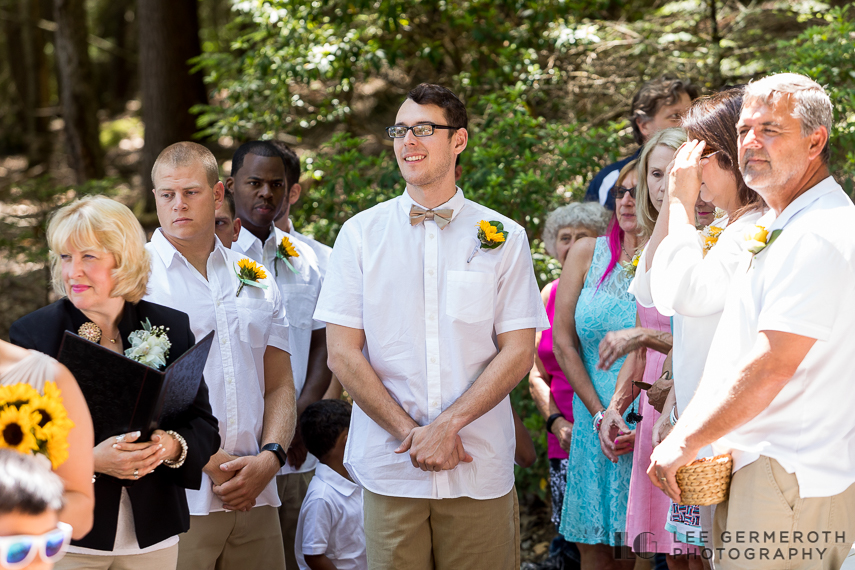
(19, 551)
(619, 192)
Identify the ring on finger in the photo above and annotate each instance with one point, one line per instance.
(136, 473)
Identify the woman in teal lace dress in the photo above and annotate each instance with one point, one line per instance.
(592, 300)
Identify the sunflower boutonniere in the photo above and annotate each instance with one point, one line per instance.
(284, 250)
(760, 238)
(630, 267)
(32, 423)
(491, 235)
(249, 273)
(710, 235)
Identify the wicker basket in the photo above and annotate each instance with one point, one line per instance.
(705, 481)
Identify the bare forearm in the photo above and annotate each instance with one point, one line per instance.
(625, 391)
(660, 341)
(319, 562)
(540, 391)
(78, 512)
(495, 383)
(574, 371)
(367, 390)
(712, 416)
(319, 375)
(280, 415)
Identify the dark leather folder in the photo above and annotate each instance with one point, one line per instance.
(125, 395)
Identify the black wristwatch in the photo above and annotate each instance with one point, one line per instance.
(551, 420)
(277, 451)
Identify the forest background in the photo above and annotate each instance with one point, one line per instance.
(92, 90)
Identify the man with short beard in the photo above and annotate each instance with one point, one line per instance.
(429, 331)
(777, 388)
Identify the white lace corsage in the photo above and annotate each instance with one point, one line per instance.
(150, 346)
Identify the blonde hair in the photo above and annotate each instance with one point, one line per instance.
(645, 213)
(101, 224)
(186, 153)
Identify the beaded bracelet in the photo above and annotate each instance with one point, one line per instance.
(598, 420)
(180, 461)
(673, 416)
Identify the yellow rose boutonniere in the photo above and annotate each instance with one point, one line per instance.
(284, 251)
(759, 239)
(630, 267)
(250, 274)
(710, 237)
(32, 423)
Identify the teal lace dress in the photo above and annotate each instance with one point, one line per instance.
(597, 489)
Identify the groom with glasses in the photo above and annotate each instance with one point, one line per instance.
(431, 308)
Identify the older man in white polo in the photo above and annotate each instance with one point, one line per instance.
(778, 390)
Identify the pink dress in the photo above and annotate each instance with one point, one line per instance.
(648, 506)
(560, 387)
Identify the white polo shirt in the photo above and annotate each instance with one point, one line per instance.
(430, 319)
(802, 284)
(299, 296)
(243, 328)
(331, 522)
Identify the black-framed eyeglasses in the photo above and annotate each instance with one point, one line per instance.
(619, 191)
(422, 130)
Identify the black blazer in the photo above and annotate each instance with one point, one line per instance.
(158, 499)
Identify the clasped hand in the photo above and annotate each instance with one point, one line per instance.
(122, 457)
(616, 438)
(252, 473)
(434, 447)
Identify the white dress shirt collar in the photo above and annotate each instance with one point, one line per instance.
(456, 203)
(343, 486)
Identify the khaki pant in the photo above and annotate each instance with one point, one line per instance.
(446, 534)
(164, 559)
(765, 524)
(292, 490)
(232, 540)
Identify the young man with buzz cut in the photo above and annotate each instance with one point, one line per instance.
(260, 182)
(431, 308)
(234, 522)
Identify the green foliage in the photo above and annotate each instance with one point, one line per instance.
(113, 132)
(535, 479)
(826, 53)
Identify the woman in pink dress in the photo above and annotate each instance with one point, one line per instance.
(549, 389)
(647, 346)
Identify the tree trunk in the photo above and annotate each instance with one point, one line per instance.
(77, 96)
(168, 37)
(25, 44)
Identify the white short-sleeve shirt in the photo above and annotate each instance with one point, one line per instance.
(322, 251)
(244, 326)
(299, 296)
(802, 284)
(331, 522)
(431, 318)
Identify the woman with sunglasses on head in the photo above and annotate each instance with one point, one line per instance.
(646, 346)
(590, 301)
(31, 500)
(691, 271)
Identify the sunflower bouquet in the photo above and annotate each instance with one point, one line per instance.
(34, 423)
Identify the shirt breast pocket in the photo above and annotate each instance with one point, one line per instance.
(254, 316)
(469, 295)
(299, 300)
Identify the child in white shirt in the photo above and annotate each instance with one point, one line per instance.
(330, 533)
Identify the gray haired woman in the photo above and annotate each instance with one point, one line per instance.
(550, 390)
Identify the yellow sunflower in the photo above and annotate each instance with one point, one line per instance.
(53, 392)
(286, 248)
(53, 440)
(16, 429)
(17, 394)
(50, 409)
(251, 270)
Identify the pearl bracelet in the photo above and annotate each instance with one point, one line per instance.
(598, 420)
(180, 461)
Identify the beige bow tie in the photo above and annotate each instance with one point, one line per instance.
(441, 217)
